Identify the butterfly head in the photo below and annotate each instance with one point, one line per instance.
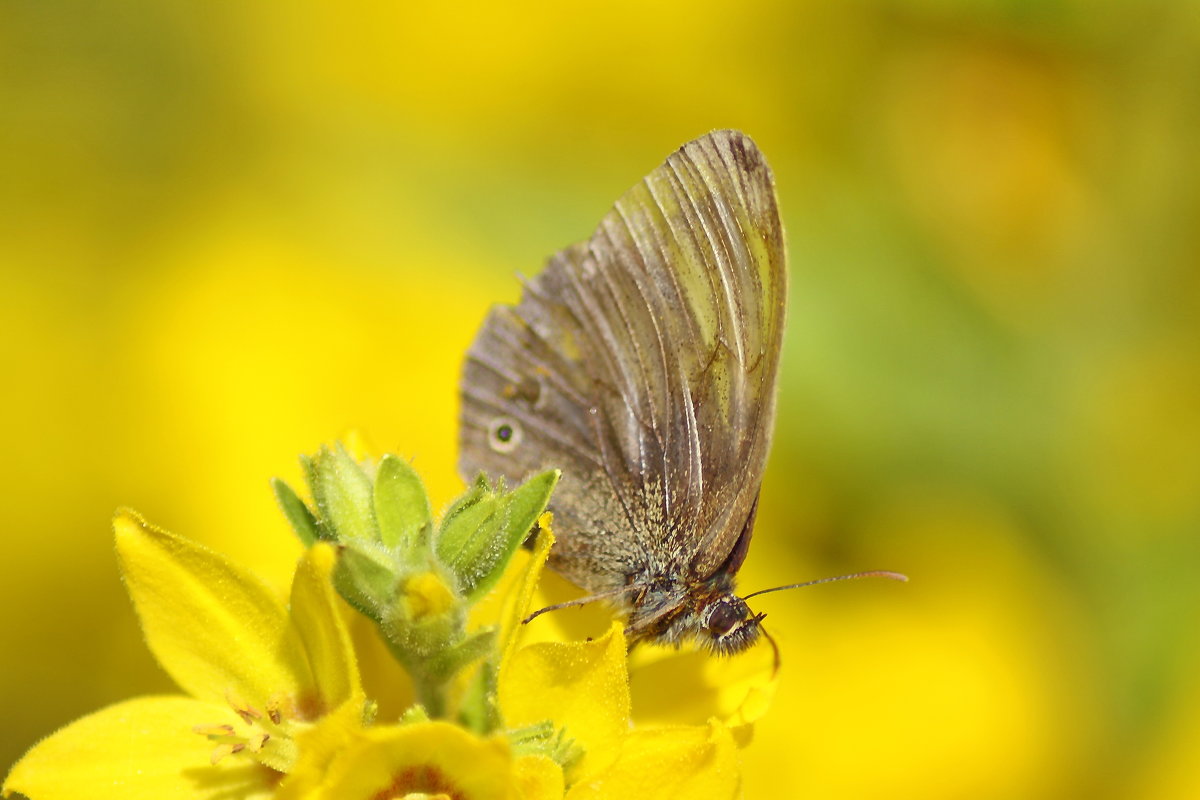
(727, 625)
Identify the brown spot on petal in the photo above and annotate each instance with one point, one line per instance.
(421, 779)
(309, 707)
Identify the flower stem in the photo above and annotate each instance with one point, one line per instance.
(429, 688)
(431, 695)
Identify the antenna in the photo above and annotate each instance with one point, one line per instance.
(876, 573)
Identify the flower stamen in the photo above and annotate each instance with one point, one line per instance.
(248, 714)
(212, 731)
(230, 741)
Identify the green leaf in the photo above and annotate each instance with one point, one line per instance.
(465, 534)
(344, 495)
(297, 512)
(477, 710)
(484, 529)
(452, 659)
(479, 489)
(365, 579)
(401, 508)
(467, 531)
(308, 464)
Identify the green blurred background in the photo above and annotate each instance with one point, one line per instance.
(229, 232)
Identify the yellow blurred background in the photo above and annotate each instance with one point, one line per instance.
(230, 232)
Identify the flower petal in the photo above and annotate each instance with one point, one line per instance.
(679, 763)
(687, 687)
(214, 627)
(423, 758)
(141, 748)
(581, 686)
(522, 597)
(539, 778)
(319, 625)
(319, 745)
(384, 680)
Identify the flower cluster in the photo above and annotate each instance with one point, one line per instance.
(274, 704)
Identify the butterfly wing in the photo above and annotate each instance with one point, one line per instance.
(643, 363)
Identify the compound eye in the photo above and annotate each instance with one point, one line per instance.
(723, 619)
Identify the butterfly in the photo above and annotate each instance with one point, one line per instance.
(643, 363)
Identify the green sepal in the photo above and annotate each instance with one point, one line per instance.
(416, 635)
(308, 464)
(542, 738)
(344, 495)
(468, 499)
(365, 578)
(402, 508)
(466, 534)
(484, 529)
(370, 711)
(414, 713)
(298, 514)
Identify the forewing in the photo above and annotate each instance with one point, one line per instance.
(643, 364)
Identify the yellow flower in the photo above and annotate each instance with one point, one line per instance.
(343, 760)
(583, 688)
(277, 708)
(258, 673)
